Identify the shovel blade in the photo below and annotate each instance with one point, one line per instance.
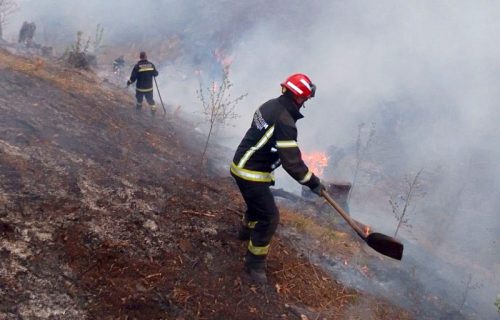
(385, 245)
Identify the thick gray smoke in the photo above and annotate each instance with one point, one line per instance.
(424, 72)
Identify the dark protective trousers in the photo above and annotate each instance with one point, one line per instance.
(262, 217)
(139, 96)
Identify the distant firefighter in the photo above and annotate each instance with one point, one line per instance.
(118, 64)
(27, 33)
(143, 73)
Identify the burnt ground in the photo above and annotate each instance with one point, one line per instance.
(107, 214)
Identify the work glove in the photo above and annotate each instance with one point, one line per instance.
(318, 189)
(128, 83)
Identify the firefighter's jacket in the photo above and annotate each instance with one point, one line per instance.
(143, 72)
(270, 142)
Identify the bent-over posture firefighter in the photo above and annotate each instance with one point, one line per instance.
(143, 73)
(270, 142)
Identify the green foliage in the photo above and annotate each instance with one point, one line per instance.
(497, 303)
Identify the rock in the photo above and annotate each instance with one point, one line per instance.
(209, 231)
(150, 224)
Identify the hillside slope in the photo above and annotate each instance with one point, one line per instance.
(106, 214)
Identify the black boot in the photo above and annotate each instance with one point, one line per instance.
(138, 107)
(255, 267)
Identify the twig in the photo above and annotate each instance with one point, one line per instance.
(153, 275)
(239, 213)
(345, 297)
(198, 213)
(312, 266)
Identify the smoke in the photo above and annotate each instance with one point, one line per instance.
(426, 73)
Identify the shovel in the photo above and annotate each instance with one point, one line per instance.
(381, 243)
(161, 100)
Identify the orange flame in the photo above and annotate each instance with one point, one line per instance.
(316, 161)
(367, 230)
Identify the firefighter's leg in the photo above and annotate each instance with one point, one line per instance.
(262, 208)
(247, 224)
(151, 101)
(249, 219)
(139, 96)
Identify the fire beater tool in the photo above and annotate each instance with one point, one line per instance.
(161, 100)
(381, 243)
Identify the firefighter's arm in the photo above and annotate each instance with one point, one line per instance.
(155, 71)
(133, 75)
(291, 157)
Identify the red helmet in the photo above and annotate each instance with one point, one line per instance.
(300, 85)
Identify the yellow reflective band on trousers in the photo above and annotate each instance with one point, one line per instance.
(307, 177)
(146, 69)
(251, 224)
(258, 251)
(144, 90)
(286, 144)
(250, 175)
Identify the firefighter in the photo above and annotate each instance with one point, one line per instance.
(143, 73)
(270, 142)
(118, 65)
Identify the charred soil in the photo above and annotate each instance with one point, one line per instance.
(105, 213)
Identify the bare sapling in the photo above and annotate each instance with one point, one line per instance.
(218, 106)
(97, 43)
(401, 203)
(469, 285)
(361, 149)
(78, 54)
(7, 8)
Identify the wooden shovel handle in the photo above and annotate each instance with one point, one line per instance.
(343, 214)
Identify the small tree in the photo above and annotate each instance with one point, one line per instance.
(400, 203)
(469, 285)
(218, 106)
(7, 8)
(361, 148)
(98, 40)
(77, 55)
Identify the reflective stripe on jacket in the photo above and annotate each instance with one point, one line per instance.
(143, 73)
(270, 142)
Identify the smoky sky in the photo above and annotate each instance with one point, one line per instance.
(426, 73)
